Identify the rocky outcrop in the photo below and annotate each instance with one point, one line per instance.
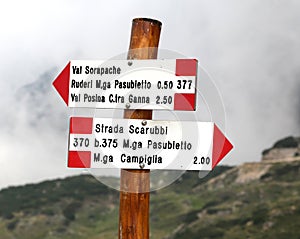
(285, 149)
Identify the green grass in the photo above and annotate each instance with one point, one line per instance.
(80, 207)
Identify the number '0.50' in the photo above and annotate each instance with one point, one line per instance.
(164, 85)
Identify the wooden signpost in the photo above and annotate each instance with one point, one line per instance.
(136, 143)
(135, 184)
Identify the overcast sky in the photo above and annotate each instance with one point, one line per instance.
(250, 48)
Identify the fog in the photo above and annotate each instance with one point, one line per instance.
(250, 49)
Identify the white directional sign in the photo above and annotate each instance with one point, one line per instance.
(145, 144)
(129, 84)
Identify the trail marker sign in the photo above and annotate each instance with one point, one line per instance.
(145, 144)
(129, 84)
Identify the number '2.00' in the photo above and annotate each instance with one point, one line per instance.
(202, 160)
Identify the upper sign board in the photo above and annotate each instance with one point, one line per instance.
(129, 84)
(145, 144)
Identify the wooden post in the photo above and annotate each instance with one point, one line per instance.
(135, 184)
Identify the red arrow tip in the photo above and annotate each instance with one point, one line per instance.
(61, 83)
(221, 146)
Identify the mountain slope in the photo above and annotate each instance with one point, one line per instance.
(257, 200)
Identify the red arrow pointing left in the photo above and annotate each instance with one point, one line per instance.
(61, 83)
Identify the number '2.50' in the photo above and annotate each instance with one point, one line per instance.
(164, 100)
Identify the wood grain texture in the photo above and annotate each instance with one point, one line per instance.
(135, 184)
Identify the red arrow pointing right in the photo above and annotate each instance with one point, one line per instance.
(61, 83)
(221, 146)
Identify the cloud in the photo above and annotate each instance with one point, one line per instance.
(296, 97)
(32, 146)
(250, 48)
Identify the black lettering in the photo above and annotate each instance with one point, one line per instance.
(96, 157)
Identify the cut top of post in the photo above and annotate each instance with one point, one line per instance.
(144, 40)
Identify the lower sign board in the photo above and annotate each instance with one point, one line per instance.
(136, 84)
(145, 144)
